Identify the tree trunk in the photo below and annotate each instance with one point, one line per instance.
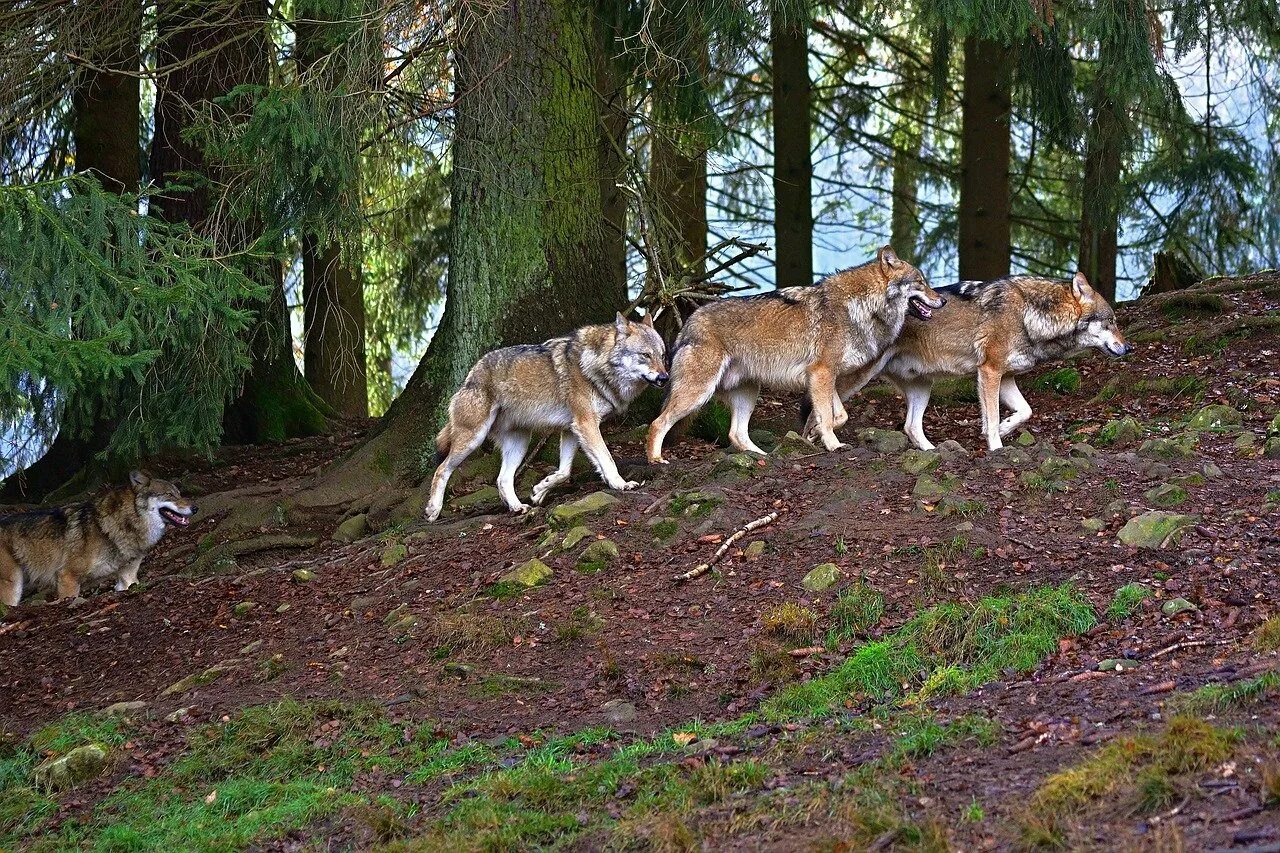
(985, 205)
(678, 182)
(614, 124)
(333, 329)
(1099, 211)
(527, 241)
(207, 50)
(792, 154)
(105, 140)
(908, 140)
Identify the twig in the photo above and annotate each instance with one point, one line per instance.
(1187, 644)
(703, 568)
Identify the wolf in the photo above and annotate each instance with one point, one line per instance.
(106, 536)
(569, 384)
(793, 339)
(994, 330)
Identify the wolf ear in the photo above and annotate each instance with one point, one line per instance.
(648, 319)
(889, 258)
(620, 324)
(1081, 289)
(139, 478)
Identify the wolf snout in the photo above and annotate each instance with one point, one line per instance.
(660, 379)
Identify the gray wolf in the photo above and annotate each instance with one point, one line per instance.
(569, 384)
(106, 536)
(794, 339)
(994, 330)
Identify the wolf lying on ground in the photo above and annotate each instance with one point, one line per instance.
(104, 537)
(569, 384)
(794, 339)
(993, 329)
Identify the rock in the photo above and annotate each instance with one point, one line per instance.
(243, 608)
(618, 712)
(393, 553)
(822, 577)
(1212, 471)
(198, 679)
(1155, 529)
(592, 503)
(793, 444)
(1214, 417)
(1118, 508)
(404, 624)
(1093, 524)
(251, 647)
(575, 535)
(763, 438)
(1167, 495)
(1188, 481)
(742, 461)
(1025, 439)
(1081, 450)
(355, 527)
(1126, 430)
(951, 450)
(919, 461)
(1244, 442)
(754, 549)
(598, 554)
(1157, 471)
(484, 496)
(303, 575)
(929, 489)
(124, 709)
(1116, 665)
(273, 667)
(1174, 606)
(883, 440)
(1271, 450)
(75, 768)
(1167, 448)
(284, 608)
(1273, 428)
(395, 614)
(528, 574)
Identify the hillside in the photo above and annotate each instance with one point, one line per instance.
(979, 662)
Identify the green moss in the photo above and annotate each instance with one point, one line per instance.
(712, 423)
(1064, 380)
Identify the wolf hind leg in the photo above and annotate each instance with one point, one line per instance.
(695, 375)
(1012, 397)
(512, 445)
(10, 580)
(568, 448)
(989, 405)
(464, 439)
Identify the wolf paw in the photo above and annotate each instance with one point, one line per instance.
(521, 509)
(432, 513)
(627, 485)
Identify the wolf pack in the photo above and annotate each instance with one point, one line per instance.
(825, 342)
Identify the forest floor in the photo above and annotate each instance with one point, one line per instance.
(980, 663)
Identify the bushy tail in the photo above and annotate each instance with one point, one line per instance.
(444, 440)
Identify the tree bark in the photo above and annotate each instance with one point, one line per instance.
(614, 125)
(908, 140)
(206, 50)
(333, 329)
(985, 204)
(792, 154)
(1099, 211)
(678, 182)
(105, 140)
(527, 241)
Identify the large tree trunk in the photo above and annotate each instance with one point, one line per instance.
(614, 124)
(105, 141)
(984, 161)
(205, 50)
(678, 181)
(527, 241)
(792, 160)
(1099, 212)
(333, 329)
(908, 140)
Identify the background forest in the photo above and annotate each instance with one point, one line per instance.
(235, 221)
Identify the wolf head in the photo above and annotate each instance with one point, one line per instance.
(1096, 323)
(638, 351)
(906, 283)
(161, 500)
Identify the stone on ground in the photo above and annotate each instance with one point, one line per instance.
(352, 529)
(1155, 529)
(528, 574)
(592, 503)
(1214, 417)
(75, 768)
(822, 577)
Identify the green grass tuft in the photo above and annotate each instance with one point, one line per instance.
(1126, 601)
(1217, 698)
(1267, 637)
(857, 609)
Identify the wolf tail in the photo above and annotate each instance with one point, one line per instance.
(444, 440)
(966, 290)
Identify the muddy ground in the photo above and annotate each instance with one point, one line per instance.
(419, 622)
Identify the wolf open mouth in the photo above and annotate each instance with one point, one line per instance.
(173, 517)
(917, 308)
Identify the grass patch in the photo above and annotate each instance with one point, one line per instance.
(1063, 380)
(769, 663)
(920, 736)
(1218, 698)
(857, 609)
(664, 529)
(951, 648)
(463, 632)
(1267, 637)
(791, 622)
(1126, 601)
(581, 622)
(692, 504)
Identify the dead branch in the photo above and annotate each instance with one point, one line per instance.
(703, 568)
(1187, 644)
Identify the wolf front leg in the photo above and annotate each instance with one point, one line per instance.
(10, 580)
(822, 393)
(587, 431)
(128, 576)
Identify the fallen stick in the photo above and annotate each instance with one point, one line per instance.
(807, 651)
(1187, 644)
(703, 568)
